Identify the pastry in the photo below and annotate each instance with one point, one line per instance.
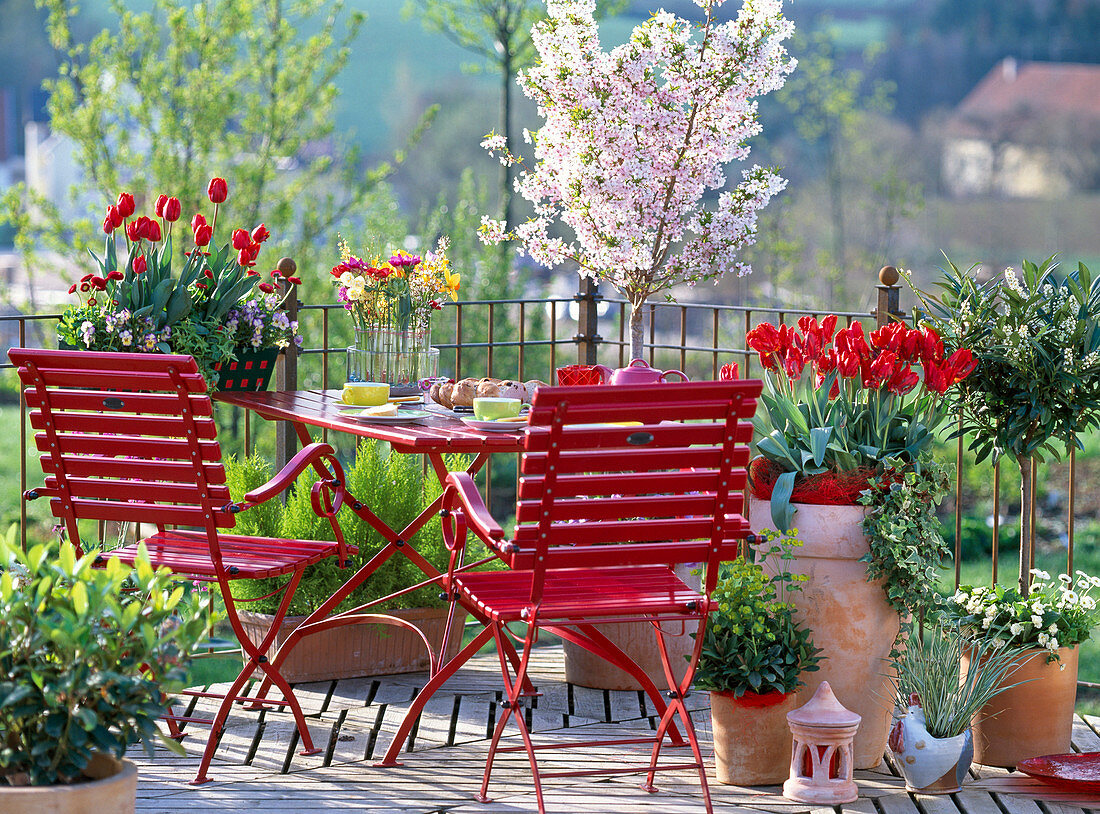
(532, 385)
(514, 390)
(464, 393)
(489, 389)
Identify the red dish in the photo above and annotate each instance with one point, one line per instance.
(1080, 772)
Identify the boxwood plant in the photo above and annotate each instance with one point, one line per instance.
(86, 655)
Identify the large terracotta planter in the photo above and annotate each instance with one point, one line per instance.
(1031, 719)
(350, 651)
(752, 741)
(637, 640)
(114, 792)
(850, 618)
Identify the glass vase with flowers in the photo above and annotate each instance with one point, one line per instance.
(136, 303)
(391, 303)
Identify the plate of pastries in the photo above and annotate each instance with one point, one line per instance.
(461, 394)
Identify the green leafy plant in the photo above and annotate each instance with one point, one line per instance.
(931, 667)
(1052, 614)
(396, 488)
(907, 548)
(752, 642)
(86, 655)
(1036, 337)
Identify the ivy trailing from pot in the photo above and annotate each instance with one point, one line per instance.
(907, 547)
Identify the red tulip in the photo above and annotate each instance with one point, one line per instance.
(203, 234)
(218, 190)
(260, 234)
(139, 264)
(729, 373)
(152, 230)
(241, 239)
(115, 215)
(244, 258)
(158, 207)
(134, 231)
(125, 204)
(764, 339)
(197, 221)
(931, 348)
(172, 210)
(108, 225)
(902, 380)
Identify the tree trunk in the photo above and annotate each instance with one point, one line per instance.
(1027, 532)
(507, 75)
(637, 343)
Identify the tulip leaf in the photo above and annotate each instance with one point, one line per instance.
(782, 511)
(819, 440)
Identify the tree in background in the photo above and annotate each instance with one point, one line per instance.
(170, 96)
(498, 31)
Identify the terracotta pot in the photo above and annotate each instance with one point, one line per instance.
(114, 790)
(638, 641)
(367, 649)
(849, 616)
(1032, 719)
(762, 759)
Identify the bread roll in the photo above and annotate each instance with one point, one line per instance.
(532, 385)
(514, 390)
(464, 393)
(489, 389)
(446, 395)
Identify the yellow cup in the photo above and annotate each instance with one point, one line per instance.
(492, 409)
(366, 394)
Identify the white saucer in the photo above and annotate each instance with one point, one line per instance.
(403, 417)
(495, 426)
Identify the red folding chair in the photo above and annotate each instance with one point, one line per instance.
(617, 485)
(130, 437)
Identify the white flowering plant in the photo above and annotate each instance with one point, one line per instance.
(1054, 613)
(635, 143)
(1036, 336)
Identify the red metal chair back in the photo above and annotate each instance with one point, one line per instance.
(126, 437)
(633, 475)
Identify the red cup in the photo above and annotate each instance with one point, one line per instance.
(574, 375)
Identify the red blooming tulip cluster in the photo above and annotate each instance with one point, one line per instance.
(889, 358)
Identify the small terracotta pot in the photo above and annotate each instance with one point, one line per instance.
(114, 791)
(849, 617)
(1031, 719)
(752, 742)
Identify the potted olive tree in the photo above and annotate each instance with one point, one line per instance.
(938, 698)
(752, 661)
(86, 657)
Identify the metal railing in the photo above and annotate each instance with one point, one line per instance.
(529, 338)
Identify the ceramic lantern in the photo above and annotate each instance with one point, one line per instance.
(821, 756)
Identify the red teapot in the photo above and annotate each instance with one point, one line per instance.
(638, 372)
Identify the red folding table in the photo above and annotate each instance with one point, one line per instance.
(435, 436)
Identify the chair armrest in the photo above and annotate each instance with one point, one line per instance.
(477, 516)
(307, 456)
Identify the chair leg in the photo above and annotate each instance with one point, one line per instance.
(514, 690)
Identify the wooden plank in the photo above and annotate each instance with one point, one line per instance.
(1084, 738)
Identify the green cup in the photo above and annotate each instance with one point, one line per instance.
(494, 409)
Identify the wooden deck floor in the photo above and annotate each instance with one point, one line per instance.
(258, 768)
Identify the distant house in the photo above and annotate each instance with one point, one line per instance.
(1027, 130)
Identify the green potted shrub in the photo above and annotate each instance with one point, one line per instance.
(938, 697)
(396, 488)
(86, 657)
(753, 658)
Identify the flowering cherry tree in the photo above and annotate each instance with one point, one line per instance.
(634, 140)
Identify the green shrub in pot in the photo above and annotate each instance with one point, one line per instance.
(753, 643)
(86, 655)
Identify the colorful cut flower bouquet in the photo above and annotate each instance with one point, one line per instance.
(399, 294)
(142, 306)
(845, 405)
